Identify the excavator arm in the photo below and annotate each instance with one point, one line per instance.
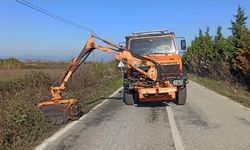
(120, 53)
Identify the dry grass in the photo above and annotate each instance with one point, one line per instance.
(22, 125)
(10, 63)
(44, 65)
(13, 74)
(93, 81)
(11, 68)
(20, 120)
(234, 91)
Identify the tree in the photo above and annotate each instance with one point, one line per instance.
(239, 30)
(239, 27)
(219, 57)
(207, 46)
(244, 58)
(222, 49)
(199, 55)
(193, 54)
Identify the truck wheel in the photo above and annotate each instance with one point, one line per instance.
(181, 96)
(136, 98)
(128, 99)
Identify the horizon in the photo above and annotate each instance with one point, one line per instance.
(27, 32)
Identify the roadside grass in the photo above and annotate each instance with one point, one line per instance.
(97, 81)
(235, 91)
(13, 74)
(23, 125)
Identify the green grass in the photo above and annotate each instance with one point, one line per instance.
(235, 91)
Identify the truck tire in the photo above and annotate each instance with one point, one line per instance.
(128, 99)
(136, 98)
(181, 96)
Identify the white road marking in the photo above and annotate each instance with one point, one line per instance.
(59, 133)
(176, 135)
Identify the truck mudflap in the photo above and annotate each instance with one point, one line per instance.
(157, 94)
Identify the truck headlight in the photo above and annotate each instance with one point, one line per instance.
(178, 82)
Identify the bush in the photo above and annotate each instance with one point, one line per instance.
(20, 120)
(11, 63)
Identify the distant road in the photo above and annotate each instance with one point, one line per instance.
(208, 121)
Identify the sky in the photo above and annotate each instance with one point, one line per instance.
(24, 31)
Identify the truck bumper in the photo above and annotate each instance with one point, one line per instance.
(156, 94)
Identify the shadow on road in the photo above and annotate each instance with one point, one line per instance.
(152, 104)
(142, 104)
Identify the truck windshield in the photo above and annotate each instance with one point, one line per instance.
(156, 45)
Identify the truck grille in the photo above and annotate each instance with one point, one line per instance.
(170, 70)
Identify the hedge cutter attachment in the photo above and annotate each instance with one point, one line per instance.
(61, 110)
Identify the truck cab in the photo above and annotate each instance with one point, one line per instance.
(160, 47)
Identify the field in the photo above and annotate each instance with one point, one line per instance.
(22, 124)
(13, 74)
(12, 69)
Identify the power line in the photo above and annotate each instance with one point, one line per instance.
(52, 15)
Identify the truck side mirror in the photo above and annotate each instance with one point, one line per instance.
(183, 45)
(187, 67)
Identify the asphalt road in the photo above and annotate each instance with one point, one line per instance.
(207, 121)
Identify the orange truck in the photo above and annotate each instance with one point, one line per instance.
(153, 72)
(160, 47)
